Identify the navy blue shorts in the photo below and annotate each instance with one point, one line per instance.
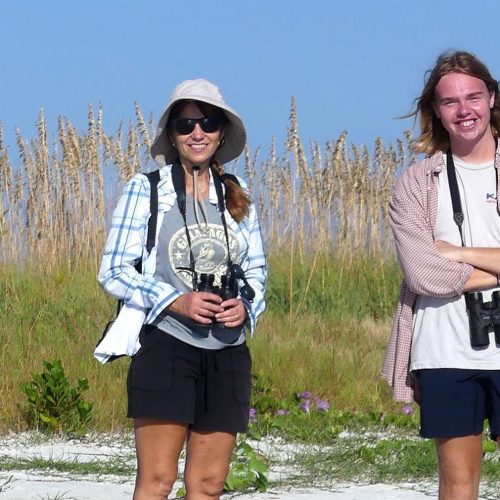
(209, 390)
(455, 403)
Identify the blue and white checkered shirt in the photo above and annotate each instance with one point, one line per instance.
(126, 245)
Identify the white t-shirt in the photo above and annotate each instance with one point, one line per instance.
(440, 325)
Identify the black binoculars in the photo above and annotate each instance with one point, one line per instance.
(228, 288)
(482, 316)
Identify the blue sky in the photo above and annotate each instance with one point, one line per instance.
(352, 65)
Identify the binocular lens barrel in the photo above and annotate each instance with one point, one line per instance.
(483, 316)
(206, 282)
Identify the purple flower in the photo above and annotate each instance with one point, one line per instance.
(322, 404)
(281, 413)
(408, 409)
(305, 395)
(306, 405)
(252, 415)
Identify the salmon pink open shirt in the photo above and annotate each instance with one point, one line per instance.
(413, 213)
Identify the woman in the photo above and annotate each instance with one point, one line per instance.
(445, 218)
(189, 383)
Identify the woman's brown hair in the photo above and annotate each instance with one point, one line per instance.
(237, 200)
(433, 136)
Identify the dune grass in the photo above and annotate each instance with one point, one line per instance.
(333, 277)
(321, 343)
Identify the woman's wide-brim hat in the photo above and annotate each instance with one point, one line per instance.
(162, 150)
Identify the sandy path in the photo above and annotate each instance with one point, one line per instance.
(40, 485)
(29, 486)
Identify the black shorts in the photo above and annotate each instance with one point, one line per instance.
(209, 390)
(456, 402)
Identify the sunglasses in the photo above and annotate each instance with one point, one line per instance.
(208, 124)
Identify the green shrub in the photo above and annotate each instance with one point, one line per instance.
(308, 418)
(53, 405)
(247, 471)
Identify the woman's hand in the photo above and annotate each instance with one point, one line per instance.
(198, 306)
(234, 313)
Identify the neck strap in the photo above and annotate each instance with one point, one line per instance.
(179, 182)
(221, 207)
(458, 215)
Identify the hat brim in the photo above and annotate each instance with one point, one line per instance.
(235, 137)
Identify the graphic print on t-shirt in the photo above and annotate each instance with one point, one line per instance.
(209, 250)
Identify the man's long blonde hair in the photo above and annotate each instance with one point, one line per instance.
(433, 136)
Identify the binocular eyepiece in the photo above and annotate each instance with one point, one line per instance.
(228, 288)
(482, 316)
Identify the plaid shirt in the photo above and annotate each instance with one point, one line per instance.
(126, 245)
(413, 212)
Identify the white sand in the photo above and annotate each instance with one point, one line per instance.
(29, 485)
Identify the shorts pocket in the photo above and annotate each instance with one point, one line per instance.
(242, 373)
(153, 367)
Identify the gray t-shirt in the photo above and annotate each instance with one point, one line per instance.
(209, 248)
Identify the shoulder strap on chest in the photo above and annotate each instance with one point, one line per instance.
(231, 177)
(218, 180)
(154, 178)
(179, 186)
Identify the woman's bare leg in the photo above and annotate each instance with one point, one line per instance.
(207, 463)
(158, 445)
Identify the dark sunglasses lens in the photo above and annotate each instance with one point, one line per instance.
(184, 126)
(209, 124)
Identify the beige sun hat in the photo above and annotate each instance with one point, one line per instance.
(235, 135)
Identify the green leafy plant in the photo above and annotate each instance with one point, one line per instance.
(53, 404)
(307, 418)
(248, 470)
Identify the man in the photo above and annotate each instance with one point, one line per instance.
(449, 245)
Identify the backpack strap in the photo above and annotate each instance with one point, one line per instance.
(218, 180)
(231, 177)
(154, 179)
